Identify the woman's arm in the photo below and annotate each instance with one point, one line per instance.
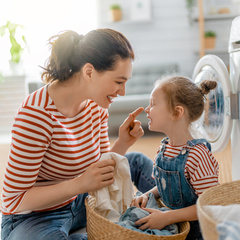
(97, 176)
(129, 132)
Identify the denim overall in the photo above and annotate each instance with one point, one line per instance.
(174, 189)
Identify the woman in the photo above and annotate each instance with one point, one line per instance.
(60, 132)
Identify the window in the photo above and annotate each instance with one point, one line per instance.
(41, 20)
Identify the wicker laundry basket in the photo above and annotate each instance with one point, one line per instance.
(99, 228)
(224, 194)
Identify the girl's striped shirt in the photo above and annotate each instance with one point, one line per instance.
(48, 148)
(201, 168)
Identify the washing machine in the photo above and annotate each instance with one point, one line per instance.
(220, 121)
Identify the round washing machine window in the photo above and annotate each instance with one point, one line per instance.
(210, 124)
(215, 123)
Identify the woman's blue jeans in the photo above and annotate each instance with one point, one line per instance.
(51, 225)
(141, 171)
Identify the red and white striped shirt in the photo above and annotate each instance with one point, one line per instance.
(201, 168)
(48, 148)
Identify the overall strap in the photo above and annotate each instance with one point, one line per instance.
(163, 144)
(195, 142)
(165, 140)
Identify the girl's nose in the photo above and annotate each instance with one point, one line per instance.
(146, 109)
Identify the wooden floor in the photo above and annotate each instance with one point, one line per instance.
(149, 145)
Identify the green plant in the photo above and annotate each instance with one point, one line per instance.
(210, 34)
(16, 49)
(115, 6)
(190, 4)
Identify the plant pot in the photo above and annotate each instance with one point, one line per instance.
(116, 15)
(16, 68)
(210, 42)
(13, 90)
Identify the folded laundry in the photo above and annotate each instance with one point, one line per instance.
(133, 214)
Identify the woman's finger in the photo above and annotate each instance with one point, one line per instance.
(137, 112)
(106, 162)
(107, 176)
(107, 169)
(129, 121)
(136, 128)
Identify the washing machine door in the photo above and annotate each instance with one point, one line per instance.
(215, 124)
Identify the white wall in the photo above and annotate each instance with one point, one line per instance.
(168, 37)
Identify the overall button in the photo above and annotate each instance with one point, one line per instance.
(183, 151)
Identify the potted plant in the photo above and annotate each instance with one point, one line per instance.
(210, 39)
(116, 12)
(13, 85)
(17, 44)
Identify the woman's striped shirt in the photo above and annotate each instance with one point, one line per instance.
(48, 148)
(201, 168)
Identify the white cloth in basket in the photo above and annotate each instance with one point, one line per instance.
(228, 219)
(109, 200)
(229, 230)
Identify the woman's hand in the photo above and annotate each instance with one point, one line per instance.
(129, 132)
(155, 220)
(140, 201)
(98, 175)
(131, 128)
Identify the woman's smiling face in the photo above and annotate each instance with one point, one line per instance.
(109, 84)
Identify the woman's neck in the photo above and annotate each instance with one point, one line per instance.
(67, 97)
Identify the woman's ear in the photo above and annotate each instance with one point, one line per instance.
(178, 112)
(87, 70)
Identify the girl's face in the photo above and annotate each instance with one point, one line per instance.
(158, 113)
(109, 84)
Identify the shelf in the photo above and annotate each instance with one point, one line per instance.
(124, 22)
(217, 16)
(213, 51)
(201, 17)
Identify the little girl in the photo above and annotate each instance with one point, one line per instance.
(184, 167)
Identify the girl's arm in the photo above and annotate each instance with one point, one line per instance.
(129, 132)
(158, 219)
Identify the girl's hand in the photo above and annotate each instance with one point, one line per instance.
(140, 201)
(155, 220)
(98, 175)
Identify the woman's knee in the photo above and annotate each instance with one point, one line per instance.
(139, 160)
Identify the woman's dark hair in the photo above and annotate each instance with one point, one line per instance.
(180, 90)
(71, 51)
